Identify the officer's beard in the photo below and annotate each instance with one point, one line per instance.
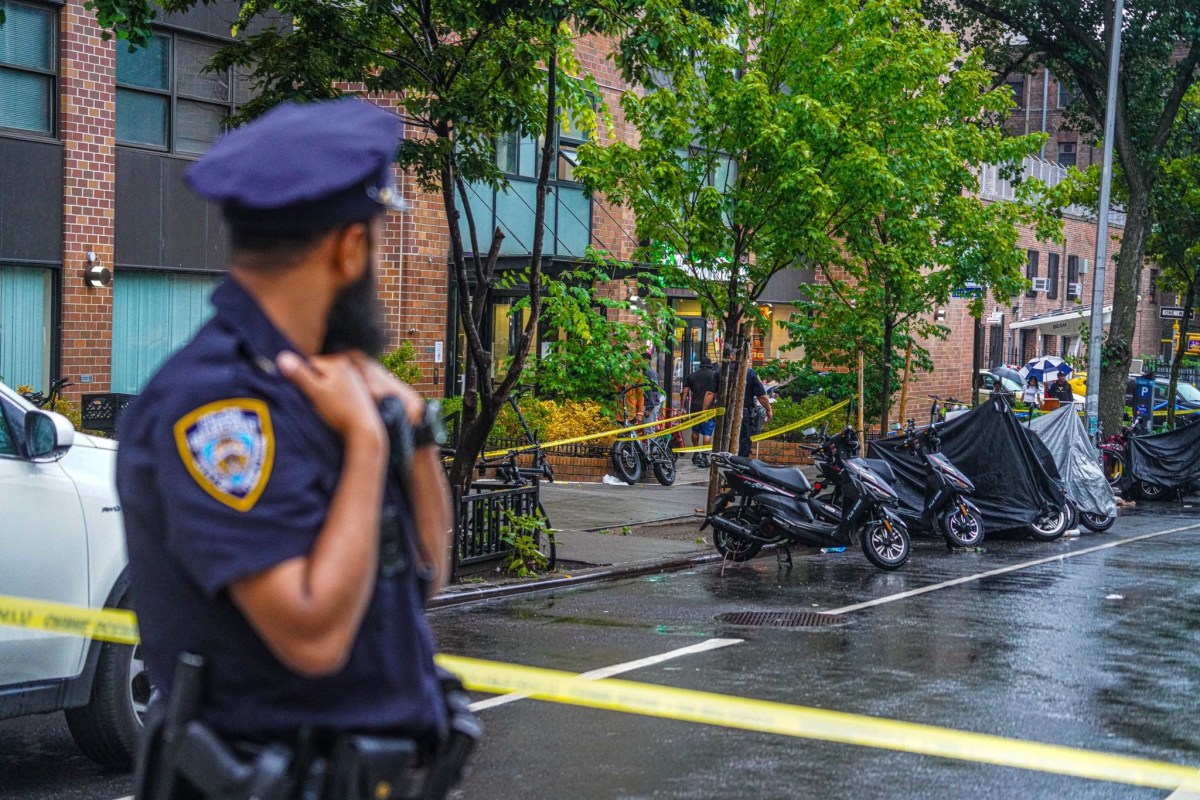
(355, 321)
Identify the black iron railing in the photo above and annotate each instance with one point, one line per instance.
(483, 516)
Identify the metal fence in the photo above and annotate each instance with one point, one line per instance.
(1186, 374)
(482, 518)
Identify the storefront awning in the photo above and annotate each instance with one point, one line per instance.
(1060, 323)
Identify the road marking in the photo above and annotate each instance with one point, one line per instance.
(616, 669)
(891, 598)
(669, 702)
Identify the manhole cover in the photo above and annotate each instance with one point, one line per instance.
(782, 619)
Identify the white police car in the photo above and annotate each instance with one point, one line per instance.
(62, 540)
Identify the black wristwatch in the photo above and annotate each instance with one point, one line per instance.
(431, 429)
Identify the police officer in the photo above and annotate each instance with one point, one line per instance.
(277, 525)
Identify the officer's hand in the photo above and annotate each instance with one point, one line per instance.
(337, 391)
(382, 383)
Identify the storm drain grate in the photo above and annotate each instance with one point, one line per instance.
(782, 619)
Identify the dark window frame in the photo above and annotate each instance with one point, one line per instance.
(1052, 275)
(1018, 91)
(1031, 269)
(54, 14)
(173, 94)
(1066, 94)
(1073, 277)
(1070, 156)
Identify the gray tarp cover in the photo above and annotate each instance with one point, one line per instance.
(1067, 440)
(1015, 478)
(1170, 459)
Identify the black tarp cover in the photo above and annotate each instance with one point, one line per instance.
(1013, 472)
(1170, 459)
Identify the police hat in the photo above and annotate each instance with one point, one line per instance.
(303, 167)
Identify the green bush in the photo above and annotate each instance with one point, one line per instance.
(785, 411)
(401, 362)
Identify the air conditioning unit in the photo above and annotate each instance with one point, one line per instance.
(1040, 284)
(1083, 265)
(1074, 291)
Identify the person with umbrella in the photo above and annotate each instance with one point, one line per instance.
(1031, 395)
(1061, 390)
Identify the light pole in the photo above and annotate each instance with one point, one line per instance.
(1097, 329)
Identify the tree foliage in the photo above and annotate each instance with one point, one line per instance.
(841, 137)
(1160, 61)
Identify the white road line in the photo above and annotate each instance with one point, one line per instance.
(616, 669)
(1002, 570)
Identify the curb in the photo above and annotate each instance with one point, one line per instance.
(593, 575)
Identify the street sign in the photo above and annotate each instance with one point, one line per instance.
(1170, 312)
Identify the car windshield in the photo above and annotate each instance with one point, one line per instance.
(1187, 392)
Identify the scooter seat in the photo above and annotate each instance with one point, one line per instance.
(788, 477)
(881, 468)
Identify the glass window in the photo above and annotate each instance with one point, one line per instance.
(27, 68)
(154, 314)
(1031, 270)
(168, 99)
(1066, 94)
(1052, 276)
(1067, 154)
(1018, 91)
(25, 326)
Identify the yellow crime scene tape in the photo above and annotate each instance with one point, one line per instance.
(666, 702)
(107, 625)
(758, 437)
(689, 419)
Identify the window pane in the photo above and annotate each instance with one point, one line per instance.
(147, 66)
(528, 157)
(154, 314)
(197, 125)
(243, 90)
(190, 78)
(25, 326)
(506, 153)
(26, 37)
(568, 157)
(26, 101)
(574, 222)
(141, 118)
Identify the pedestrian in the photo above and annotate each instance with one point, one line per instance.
(286, 511)
(653, 390)
(755, 398)
(1060, 390)
(1031, 395)
(699, 389)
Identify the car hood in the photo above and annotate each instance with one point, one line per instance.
(87, 440)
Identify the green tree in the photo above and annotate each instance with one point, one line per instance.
(1160, 60)
(1175, 236)
(594, 343)
(841, 137)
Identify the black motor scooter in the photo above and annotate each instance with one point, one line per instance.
(764, 504)
(944, 509)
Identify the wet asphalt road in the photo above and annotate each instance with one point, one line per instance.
(1046, 653)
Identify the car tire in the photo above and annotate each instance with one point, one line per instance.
(107, 729)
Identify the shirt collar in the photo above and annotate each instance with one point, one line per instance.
(238, 310)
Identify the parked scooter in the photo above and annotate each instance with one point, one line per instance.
(765, 504)
(944, 509)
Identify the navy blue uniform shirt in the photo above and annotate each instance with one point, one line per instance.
(224, 471)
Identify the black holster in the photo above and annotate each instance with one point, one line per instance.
(181, 758)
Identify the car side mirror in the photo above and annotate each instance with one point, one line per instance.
(47, 434)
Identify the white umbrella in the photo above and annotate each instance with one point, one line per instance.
(1044, 366)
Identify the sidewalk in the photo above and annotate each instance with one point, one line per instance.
(580, 511)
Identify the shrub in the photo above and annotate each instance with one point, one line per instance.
(574, 418)
(785, 411)
(401, 362)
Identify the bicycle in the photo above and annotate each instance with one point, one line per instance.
(630, 456)
(48, 400)
(514, 476)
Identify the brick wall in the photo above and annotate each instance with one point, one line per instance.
(86, 120)
(1028, 118)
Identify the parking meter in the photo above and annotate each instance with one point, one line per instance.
(1143, 402)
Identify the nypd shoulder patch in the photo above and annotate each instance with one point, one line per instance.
(228, 448)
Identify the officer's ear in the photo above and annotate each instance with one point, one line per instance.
(352, 251)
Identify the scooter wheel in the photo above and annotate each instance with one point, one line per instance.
(886, 544)
(731, 546)
(1149, 491)
(1098, 523)
(1051, 525)
(961, 527)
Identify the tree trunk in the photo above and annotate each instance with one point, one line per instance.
(885, 393)
(1180, 348)
(1118, 349)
